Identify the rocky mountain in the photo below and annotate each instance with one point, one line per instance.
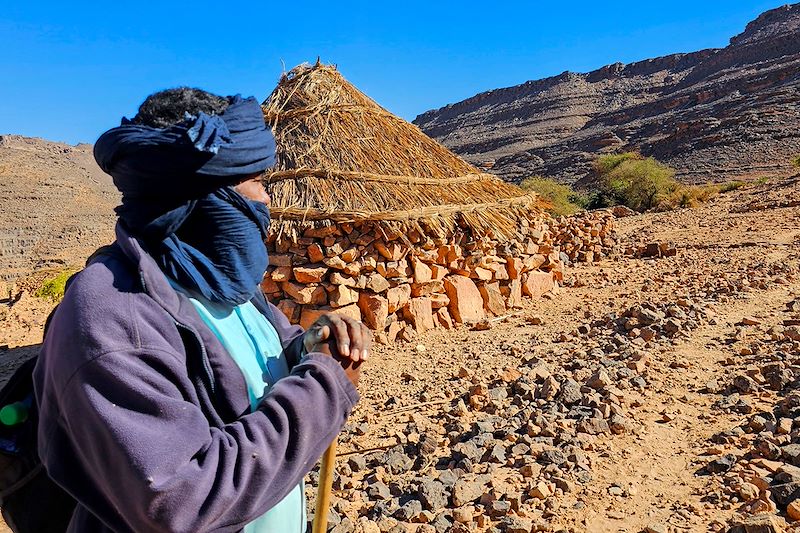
(732, 111)
(57, 205)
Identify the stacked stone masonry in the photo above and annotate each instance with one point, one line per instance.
(587, 237)
(402, 283)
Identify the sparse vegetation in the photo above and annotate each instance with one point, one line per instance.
(606, 163)
(563, 200)
(738, 184)
(53, 287)
(689, 196)
(642, 183)
(634, 181)
(796, 161)
(730, 186)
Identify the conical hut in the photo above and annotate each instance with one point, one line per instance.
(375, 219)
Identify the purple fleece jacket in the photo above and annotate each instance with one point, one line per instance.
(144, 418)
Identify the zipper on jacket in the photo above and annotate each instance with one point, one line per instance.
(206, 363)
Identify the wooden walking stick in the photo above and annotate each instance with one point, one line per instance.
(324, 490)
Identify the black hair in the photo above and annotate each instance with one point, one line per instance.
(168, 107)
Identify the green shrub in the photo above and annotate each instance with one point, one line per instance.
(636, 182)
(563, 200)
(796, 161)
(606, 163)
(600, 199)
(730, 186)
(53, 287)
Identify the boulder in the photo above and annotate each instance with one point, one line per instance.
(315, 253)
(483, 274)
(374, 310)
(268, 286)
(422, 272)
(377, 283)
(281, 274)
(340, 279)
(310, 274)
(466, 303)
(351, 310)
(444, 318)
(305, 294)
(439, 300)
(342, 295)
(397, 297)
(419, 313)
(427, 288)
(310, 315)
(536, 284)
(514, 297)
(493, 300)
(290, 309)
(513, 267)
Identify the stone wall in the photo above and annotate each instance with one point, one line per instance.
(403, 283)
(587, 237)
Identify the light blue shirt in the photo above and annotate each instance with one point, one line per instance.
(254, 345)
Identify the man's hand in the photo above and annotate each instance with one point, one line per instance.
(351, 338)
(344, 338)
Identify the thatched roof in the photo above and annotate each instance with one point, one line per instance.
(343, 158)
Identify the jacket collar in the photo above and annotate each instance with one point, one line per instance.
(154, 282)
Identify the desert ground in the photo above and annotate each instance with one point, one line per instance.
(646, 394)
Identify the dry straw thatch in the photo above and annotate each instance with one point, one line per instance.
(343, 158)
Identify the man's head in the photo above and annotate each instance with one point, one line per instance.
(169, 107)
(174, 164)
(184, 142)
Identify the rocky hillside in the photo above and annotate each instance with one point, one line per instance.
(732, 110)
(57, 205)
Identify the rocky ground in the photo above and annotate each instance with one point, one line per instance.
(612, 406)
(657, 391)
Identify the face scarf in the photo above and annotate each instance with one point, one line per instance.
(178, 200)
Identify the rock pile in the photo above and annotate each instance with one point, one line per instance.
(497, 457)
(759, 460)
(651, 250)
(586, 237)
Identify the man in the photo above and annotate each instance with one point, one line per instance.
(171, 395)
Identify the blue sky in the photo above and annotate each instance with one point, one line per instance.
(70, 70)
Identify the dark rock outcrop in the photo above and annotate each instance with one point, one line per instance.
(732, 111)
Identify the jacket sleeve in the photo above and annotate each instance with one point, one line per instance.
(151, 456)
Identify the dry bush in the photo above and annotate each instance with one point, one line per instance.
(688, 196)
(562, 199)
